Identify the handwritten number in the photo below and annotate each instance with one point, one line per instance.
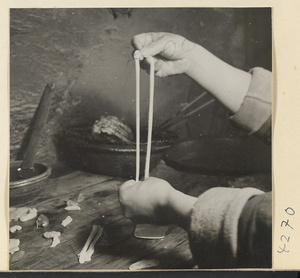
(286, 224)
(283, 249)
(286, 238)
(289, 211)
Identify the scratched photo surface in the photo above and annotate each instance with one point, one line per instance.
(73, 133)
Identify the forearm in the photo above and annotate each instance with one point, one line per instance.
(179, 207)
(226, 83)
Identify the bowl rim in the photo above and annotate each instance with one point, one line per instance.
(156, 145)
(21, 183)
(126, 148)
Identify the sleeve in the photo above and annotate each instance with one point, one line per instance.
(255, 113)
(232, 227)
(255, 233)
(214, 226)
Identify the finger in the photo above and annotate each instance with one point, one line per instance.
(158, 65)
(144, 39)
(164, 45)
(168, 68)
(138, 55)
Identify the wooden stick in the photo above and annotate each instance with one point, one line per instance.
(150, 119)
(199, 108)
(137, 103)
(179, 113)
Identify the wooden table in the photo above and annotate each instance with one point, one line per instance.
(117, 249)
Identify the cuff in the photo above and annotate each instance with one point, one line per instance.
(214, 226)
(256, 109)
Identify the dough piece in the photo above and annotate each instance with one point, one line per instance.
(55, 241)
(16, 213)
(55, 237)
(51, 234)
(15, 228)
(72, 208)
(14, 245)
(144, 264)
(66, 221)
(32, 213)
(77, 198)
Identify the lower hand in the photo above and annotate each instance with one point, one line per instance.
(145, 201)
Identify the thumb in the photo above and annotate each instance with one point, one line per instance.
(128, 184)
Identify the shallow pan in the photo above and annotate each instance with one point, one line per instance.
(220, 156)
(84, 153)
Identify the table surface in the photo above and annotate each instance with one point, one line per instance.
(117, 248)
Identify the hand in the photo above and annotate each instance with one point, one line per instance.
(155, 201)
(173, 48)
(145, 201)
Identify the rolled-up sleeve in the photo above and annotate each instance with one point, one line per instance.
(255, 113)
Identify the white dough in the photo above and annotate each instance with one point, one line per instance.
(15, 228)
(66, 221)
(72, 208)
(144, 264)
(14, 245)
(32, 213)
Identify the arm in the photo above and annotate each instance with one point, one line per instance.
(226, 83)
(227, 227)
(230, 227)
(246, 94)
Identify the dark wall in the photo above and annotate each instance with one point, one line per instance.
(88, 54)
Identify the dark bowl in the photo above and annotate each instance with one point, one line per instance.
(21, 187)
(81, 151)
(220, 156)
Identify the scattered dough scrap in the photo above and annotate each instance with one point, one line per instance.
(32, 213)
(77, 198)
(51, 234)
(55, 241)
(14, 245)
(15, 228)
(72, 208)
(16, 213)
(55, 237)
(66, 221)
(144, 264)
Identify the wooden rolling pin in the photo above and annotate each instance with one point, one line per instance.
(27, 167)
